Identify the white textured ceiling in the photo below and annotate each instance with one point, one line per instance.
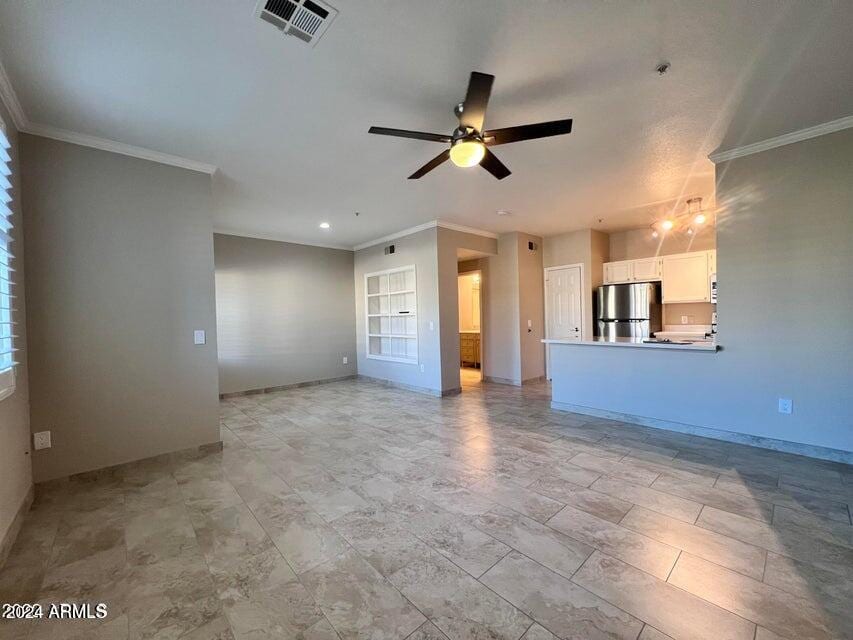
(287, 124)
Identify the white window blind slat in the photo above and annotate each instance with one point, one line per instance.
(7, 280)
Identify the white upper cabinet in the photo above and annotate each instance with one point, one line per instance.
(642, 270)
(647, 269)
(686, 277)
(615, 272)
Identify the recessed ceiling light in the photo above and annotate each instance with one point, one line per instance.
(504, 212)
(325, 225)
(667, 225)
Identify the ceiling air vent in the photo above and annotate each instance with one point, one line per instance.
(305, 19)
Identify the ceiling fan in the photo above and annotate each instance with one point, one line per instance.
(469, 143)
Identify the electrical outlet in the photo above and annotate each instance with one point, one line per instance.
(346, 360)
(685, 319)
(199, 337)
(41, 440)
(431, 325)
(786, 405)
(422, 368)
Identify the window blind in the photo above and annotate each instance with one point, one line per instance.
(7, 323)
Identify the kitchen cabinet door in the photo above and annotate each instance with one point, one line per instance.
(685, 278)
(616, 272)
(646, 269)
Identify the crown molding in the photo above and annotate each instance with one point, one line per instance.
(10, 99)
(423, 227)
(23, 124)
(94, 142)
(400, 234)
(276, 238)
(781, 141)
(463, 229)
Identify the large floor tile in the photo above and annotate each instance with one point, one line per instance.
(594, 502)
(303, 537)
(677, 613)
(641, 551)
(569, 611)
(785, 541)
(665, 503)
(380, 539)
(533, 505)
(743, 505)
(458, 605)
(785, 614)
(547, 546)
(728, 552)
(358, 601)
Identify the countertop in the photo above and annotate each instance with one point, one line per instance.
(470, 331)
(637, 343)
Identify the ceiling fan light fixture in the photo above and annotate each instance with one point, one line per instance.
(467, 153)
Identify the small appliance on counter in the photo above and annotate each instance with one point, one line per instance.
(627, 310)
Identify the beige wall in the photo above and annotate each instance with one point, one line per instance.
(421, 250)
(285, 313)
(785, 259)
(119, 274)
(449, 242)
(14, 410)
(639, 243)
(501, 336)
(588, 247)
(531, 305)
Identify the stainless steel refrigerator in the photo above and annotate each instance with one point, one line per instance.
(627, 310)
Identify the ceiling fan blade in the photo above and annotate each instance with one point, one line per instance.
(476, 100)
(432, 164)
(527, 132)
(404, 133)
(494, 166)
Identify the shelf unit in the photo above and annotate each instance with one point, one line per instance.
(391, 303)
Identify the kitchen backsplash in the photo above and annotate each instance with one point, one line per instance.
(696, 312)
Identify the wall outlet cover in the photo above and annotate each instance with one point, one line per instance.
(685, 319)
(786, 405)
(41, 440)
(422, 368)
(199, 336)
(346, 360)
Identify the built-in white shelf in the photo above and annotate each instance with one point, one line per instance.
(391, 315)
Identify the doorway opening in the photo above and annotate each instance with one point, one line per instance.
(470, 328)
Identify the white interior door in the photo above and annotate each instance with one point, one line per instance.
(563, 306)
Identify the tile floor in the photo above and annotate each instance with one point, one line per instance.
(354, 510)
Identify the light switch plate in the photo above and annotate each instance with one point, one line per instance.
(431, 326)
(346, 360)
(41, 440)
(199, 337)
(422, 368)
(786, 405)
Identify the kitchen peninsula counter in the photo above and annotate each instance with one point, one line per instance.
(636, 343)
